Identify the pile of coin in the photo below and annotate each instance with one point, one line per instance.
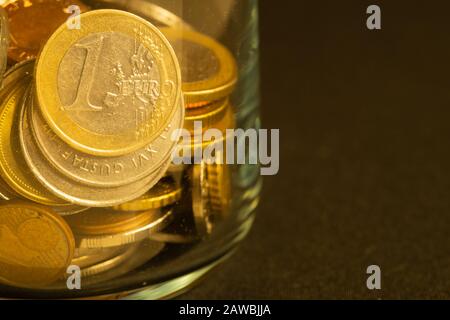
(89, 121)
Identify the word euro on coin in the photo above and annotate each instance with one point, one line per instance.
(112, 86)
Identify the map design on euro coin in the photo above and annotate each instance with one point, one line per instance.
(111, 84)
(111, 87)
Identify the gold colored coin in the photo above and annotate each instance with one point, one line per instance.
(13, 167)
(200, 202)
(86, 244)
(208, 69)
(211, 194)
(14, 74)
(137, 85)
(173, 238)
(222, 123)
(208, 115)
(71, 190)
(90, 260)
(105, 171)
(228, 121)
(194, 105)
(219, 189)
(69, 210)
(147, 250)
(36, 245)
(163, 194)
(155, 14)
(111, 263)
(107, 221)
(33, 21)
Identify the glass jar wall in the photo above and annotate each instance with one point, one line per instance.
(114, 144)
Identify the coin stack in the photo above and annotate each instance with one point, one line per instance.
(209, 76)
(89, 121)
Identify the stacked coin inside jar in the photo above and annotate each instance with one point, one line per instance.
(90, 119)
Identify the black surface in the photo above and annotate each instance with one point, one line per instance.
(364, 119)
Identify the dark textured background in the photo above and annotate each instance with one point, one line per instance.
(364, 119)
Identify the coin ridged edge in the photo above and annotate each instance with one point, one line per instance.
(43, 81)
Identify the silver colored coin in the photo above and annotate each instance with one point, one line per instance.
(93, 259)
(105, 171)
(91, 252)
(145, 251)
(69, 210)
(70, 190)
(173, 238)
(109, 264)
(87, 243)
(116, 99)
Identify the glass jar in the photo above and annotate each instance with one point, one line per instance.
(103, 193)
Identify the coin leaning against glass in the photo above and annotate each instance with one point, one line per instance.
(137, 85)
(219, 189)
(105, 171)
(13, 166)
(200, 204)
(211, 194)
(36, 246)
(70, 190)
